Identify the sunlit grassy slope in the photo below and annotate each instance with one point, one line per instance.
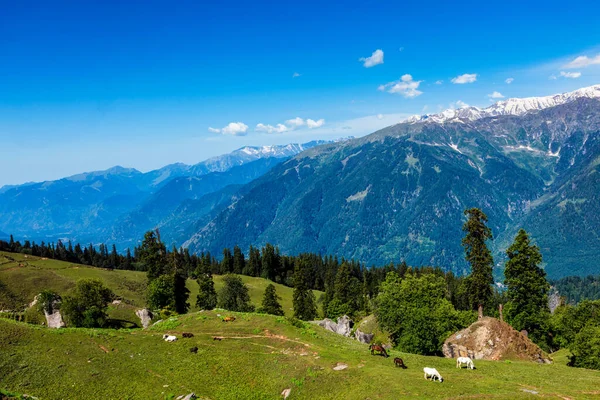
(257, 358)
(21, 278)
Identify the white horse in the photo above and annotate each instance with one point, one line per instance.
(433, 373)
(464, 360)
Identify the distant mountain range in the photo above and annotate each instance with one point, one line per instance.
(397, 194)
(400, 193)
(119, 204)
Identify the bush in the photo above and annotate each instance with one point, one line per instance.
(417, 314)
(161, 293)
(586, 349)
(86, 306)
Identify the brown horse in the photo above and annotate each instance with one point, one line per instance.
(379, 348)
(228, 319)
(399, 363)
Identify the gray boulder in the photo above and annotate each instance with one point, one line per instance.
(362, 337)
(145, 317)
(342, 327)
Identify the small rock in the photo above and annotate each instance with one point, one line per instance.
(286, 393)
(340, 367)
(529, 391)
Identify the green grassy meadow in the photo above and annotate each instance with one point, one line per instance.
(257, 358)
(22, 278)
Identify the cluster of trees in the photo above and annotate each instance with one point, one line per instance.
(419, 307)
(575, 289)
(85, 306)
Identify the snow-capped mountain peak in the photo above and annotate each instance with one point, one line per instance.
(512, 106)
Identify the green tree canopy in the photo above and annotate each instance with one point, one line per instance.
(234, 295)
(303, 298)
(416, 312)
(527, 289)
(207, 295)
(153, 255)
(161, 293)
(479, 256)
(86, 306)
(270, 302)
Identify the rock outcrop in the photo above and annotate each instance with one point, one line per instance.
(52, 313)
(492, 339)
(145, 317)
(342, 327)
(363, 337)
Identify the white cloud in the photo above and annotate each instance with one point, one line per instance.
(509, 80)
(295, 75)
(495, 95)
(583, 61)
(280, 128)
(375, 59)
(235, 129)
(379, 116)
(406, 86)
(572, 75)
(295, 122)
(439, 82)
(214, 130)
(552, 77)
(315, 124)
(458, 104)
(464, 78)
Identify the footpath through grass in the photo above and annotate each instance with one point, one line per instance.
(257, 357)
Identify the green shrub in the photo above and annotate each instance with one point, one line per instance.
(87, 305)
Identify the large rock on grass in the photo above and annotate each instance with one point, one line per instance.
(342, 327)
(145, 317)
(492, 339)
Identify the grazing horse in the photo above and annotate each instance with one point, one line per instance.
(217, 338)
(187, 335)
(228, 319)
(194, 350)
(379, 348)
(398, 362)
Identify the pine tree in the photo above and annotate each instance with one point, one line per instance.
(153, 256)
(479, 256)
(234, 295)
(180, 291)
(270, 303)
(303, 298)
(269, 262)
(239, 262)
(227, 262)
(527, 289)
(207, 295)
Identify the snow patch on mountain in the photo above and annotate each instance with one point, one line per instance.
(513, 106)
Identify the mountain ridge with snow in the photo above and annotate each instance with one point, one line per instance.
(512, 106)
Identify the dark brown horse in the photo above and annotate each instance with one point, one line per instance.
(399, 363)
(379, 348)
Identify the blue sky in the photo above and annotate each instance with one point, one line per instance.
(88, 85)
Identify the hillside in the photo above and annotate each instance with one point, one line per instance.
(400, 193)
(117, 203)
(257, 358)
(22, 277)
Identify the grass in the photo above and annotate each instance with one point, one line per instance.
(258, 357)
(23, 277)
